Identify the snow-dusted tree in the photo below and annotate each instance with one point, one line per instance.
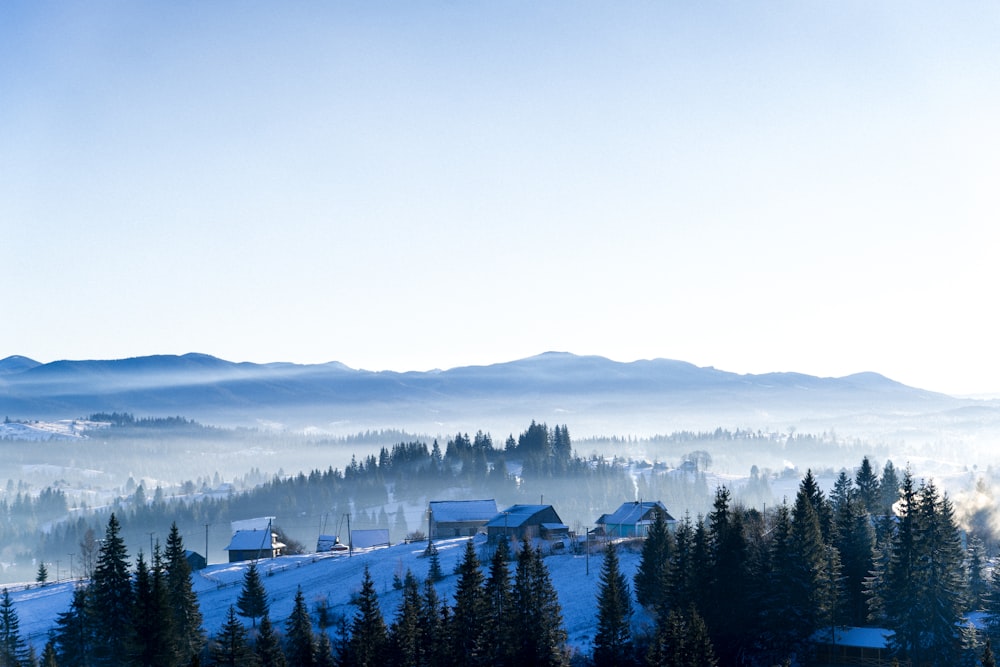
(469, 612)
(13, 649)
(613, 639)
(404, 644)
(252, 602)
(978, 584)
(651, 577)
(538, 615)
(369, 636)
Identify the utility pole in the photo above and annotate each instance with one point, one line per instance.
(206, 544)
(151, 533)
(350, 540)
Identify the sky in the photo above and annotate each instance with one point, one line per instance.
(754, 186)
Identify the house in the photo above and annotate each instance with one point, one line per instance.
(459, 518)
(520, 522)
(852, 646)
(253, 539)
(195, 560)
(632, 519)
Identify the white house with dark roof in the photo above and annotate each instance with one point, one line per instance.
(459, 518)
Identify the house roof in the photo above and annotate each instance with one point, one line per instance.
(632, 513)
(456, 511)
(516, 515)
(858, 637)
(253, 540)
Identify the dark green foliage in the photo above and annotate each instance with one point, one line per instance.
(613, 639)
(49, 656)
(324, 651)
(434, 572)
(539, 633)
(300, 644)
(888, 488)
(434, 645)
(869, 492)
(681, 640)
(268, 646)
(111, 600)
(13, 649)
(653, 570)
(987, 659)
(186, 620)
(42, 575)
(405, 635)
(231, 648)
(500, 608)
(72, 634)
(369, 636)
(252, 602)
(978, 585)
(152, 642)
(469, 613)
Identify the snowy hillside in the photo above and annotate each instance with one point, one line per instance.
(66, 429)
(334, 579)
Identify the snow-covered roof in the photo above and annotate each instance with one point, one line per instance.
(855, 637)
(555, 526)
(515, 515)
(373, 537)
(258, 523)
(253, 540)
(632, 513)
(456, 511)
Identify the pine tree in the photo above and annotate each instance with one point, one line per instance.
(42, 575)
(72, 634)
(324, 651)
(231, 648)
(988, 660)
(111, 602)
(656, 552)
(433, 636)
(500, 608)
(49, 656)
(434, 570)
(613, 639)
(681, 640)
(855, 541)
(300, 644)
(152, 639)
(268, 646)
(406, 631)
(252, 602)
(188, 634)
(889, 488)
(868, 487)
(539, 630)
(731, 582)
(468, 616)
(978, 585)
(13, 649)
(369, 636)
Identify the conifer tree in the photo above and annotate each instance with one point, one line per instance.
(13, 649)
(978, 585)
(681, 640)
(539, 630)
(42, 575)
(988, 660)
(252, 602)
(268, 646)
(855, 541)
(889, 487)
(868, 487)
(730, 582)
(433, 625)
(468, 616)
(300, 644)
(72, 633)
(680, 574)
(188, 633)
(613, 639)
(152, 639)
(231, 648)
(369, 636)
(405, 633)
(111, 602)
(500, 608)
(434, 569)
(324, 651)
(49, 656)
(656, 552)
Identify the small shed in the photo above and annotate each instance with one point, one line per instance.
(253, 545)
(195, 560)
(369, 538)
(526, 522)
(459, 518)
(632, 519)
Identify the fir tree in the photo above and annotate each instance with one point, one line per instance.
(300, 644)
(988, 660)
(72, 634)
(369, 636)
(888, 488)
(656, 552)
(252, 602)
(433, 636)
(541, 639)
(855, 541)
(868, 487)
(111, 602)
(324, 651)
(13, 650)
(500, 608)
(613, 639)
(978, 585)
(152, 640)
(187, 631)
(42, 575)
(405, 633)
(268, 646)
(49, 656)
(434, 569)
(231, 648)
(469, 613)
(681, 640)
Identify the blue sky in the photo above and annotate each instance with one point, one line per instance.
(753, 186)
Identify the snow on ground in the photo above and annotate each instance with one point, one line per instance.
(333, 579)
(66, 429)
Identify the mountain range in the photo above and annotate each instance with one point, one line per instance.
(607, 396)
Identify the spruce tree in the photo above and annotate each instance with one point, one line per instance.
(469, 613)
(656, 552)
(681, 640)
(268, 646)
(889, 488)
(369, 636)
(433, 635)
(988, 660)
(868, 487)
(252, 602)
(300, 644)
(978, 585)
(13, 649)
(187, 631)
(434, 569)
(72, 633)
(152, 640)
(405, 632)
(855, 541)
(42, 575)
(613, 639)
(49, 656)
(324, 651)
(111, 602)
(541, 639)
(231, 648)
(500, 608)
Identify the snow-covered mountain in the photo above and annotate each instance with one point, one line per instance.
(596, 393)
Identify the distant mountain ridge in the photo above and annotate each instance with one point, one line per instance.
(554, 383)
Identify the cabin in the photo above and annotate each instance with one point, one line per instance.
(520, 522)
(254, 545)
(459, 518)
(852, 646)
(195, 560)
(632, 519)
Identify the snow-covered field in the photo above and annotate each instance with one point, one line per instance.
(334, 579)
(66, 429)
